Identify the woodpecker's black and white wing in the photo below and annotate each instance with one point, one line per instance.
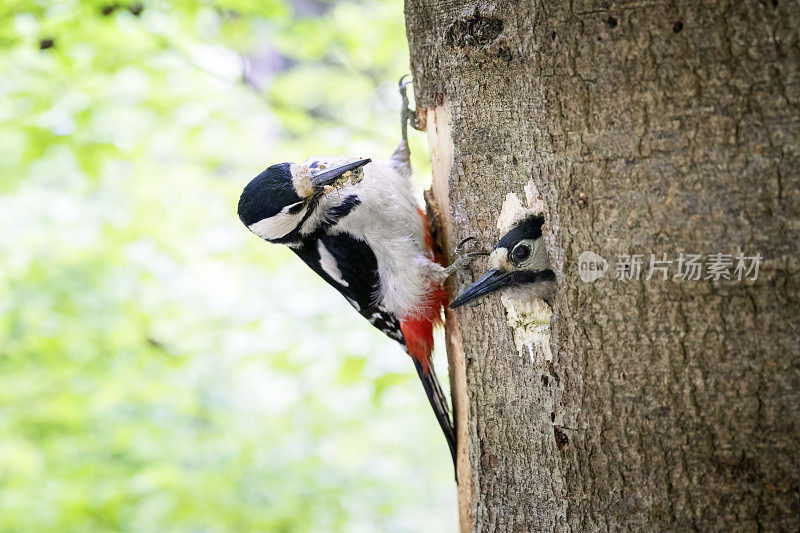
(349, 265)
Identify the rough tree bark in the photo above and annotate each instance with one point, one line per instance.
(648, 127)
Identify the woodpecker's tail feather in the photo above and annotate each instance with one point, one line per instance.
(438, 402)
(418, 333)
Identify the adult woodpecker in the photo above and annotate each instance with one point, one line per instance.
(357, 224)
(518, 265)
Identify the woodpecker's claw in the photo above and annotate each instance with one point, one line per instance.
(407, 115)
(402, 84)
(462, 263)
(464, 259)
(460, 246)
(460, 267)
(459, 250)
(464, 241)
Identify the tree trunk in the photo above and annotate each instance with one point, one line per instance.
(648, 128)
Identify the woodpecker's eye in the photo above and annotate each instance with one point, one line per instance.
(521, 253)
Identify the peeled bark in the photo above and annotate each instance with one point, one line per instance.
(647, 128)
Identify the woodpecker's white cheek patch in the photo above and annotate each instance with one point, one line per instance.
(537, 256)
(301, 180)
(278, 225)
(538, 259)
(329, 265)
(498, 260)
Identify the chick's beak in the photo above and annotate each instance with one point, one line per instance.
(329, 175)
(492, 281)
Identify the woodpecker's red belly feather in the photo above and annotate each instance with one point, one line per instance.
(418, 330)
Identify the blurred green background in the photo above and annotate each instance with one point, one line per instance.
(161, 369)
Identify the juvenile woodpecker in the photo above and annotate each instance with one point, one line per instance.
(518, 264)
(356, 223)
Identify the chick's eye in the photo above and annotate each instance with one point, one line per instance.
(521, 252)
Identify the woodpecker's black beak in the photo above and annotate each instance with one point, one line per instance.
(329, 175)
(492, 281)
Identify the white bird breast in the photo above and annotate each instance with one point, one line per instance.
(388, 220)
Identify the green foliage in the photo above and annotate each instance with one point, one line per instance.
(160, 368)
